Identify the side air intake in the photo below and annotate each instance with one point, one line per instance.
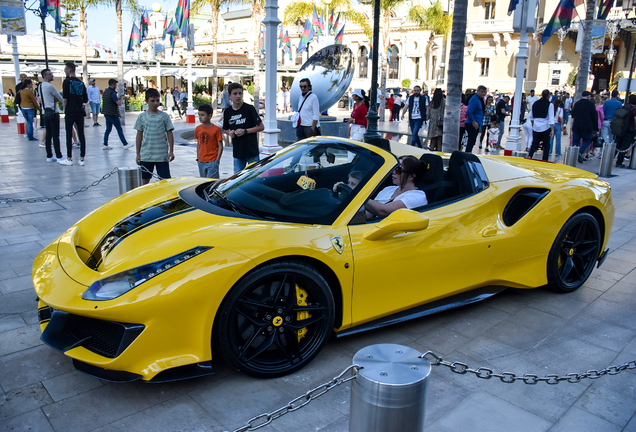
(521, 203)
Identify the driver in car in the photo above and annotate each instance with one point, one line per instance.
(404, 194)
(355, 177)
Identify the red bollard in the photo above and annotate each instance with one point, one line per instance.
(21, 125)
(4, 118)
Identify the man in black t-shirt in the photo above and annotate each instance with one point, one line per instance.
(502, 111)
(242, 123)
(75, 96)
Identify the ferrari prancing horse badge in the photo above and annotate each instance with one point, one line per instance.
(338, 244)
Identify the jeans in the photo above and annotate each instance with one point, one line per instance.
(69, 120)
(52, 125)
(472, 136)
(606, 132)
(586, 137)
(350, 103)
(29, 115)
(502, 129)
(240, 164)
(95, 106)
(623, 143)
(566, 116)
(110, 122)
(209, 169)
(558, 129)
(415, 126)
(541, 137)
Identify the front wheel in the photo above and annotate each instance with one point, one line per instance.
(574, 253)
(275, 320)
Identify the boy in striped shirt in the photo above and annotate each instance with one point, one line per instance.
(155, 142)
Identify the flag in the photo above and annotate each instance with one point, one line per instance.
(370, 51)
(322, 22)
(134, 38)
(182, 16)
(331, 28)
(315, 21)
(335, 25)
(280, 38)
(562, 18)
(143, 26)
(165, 27)
(286, 42)
(604, 9)
(306, 37)
(261, 42)
(389, 51)
(512, 6)
(173, 39)
(340, 35)
(172, 29)
(52, 7)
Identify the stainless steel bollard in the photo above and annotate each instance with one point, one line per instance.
(571, 155)
(632, 160)
(607, 159)
(389, 393)
(129, 178)
(521, 154)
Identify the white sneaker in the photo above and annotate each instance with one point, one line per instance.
(81, 162)
(66, 162)
(106, 147)
(129, 145)
(41, 145)
(76, 145)
(51, 159)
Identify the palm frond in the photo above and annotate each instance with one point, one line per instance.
(431, 18)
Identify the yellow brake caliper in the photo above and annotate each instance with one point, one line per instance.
(301, 300)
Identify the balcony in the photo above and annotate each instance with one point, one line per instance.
(489, 26)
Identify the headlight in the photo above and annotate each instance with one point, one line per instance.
(120, 283)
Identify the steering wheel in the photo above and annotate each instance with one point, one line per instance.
(342, 191)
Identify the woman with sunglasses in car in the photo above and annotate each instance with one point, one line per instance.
(404, 194)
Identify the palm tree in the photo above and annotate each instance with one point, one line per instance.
(216, 6)
(300, 8)
(258, 10)
(387, 6)
(450, 138)
(434, 19)
(131, 4)
(586, 51)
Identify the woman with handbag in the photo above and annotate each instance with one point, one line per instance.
(358, 120)
(436, 120)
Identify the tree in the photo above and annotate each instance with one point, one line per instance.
(68, 26)
(303, 9)
(450, 140)
(216, 6)
(130, 4)
(432, 18)
(586, 51)
(258, 9)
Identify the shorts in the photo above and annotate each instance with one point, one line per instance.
(95, 108)
(163, 169)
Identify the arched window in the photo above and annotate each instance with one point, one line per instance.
(394, 63)
(363, 62)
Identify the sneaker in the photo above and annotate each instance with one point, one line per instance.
(41, 145)
(97, 124)
(33, 139)
(65, 162)
(127, 146)
(76, 145)
(580, 159)
(620, 165)
(106, 147)
(51, 159)
(487, 151)
(81, 162)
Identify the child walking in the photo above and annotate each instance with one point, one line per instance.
(155, 142)
(493, 136)
(209, 144)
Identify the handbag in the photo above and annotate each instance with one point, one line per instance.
(295, 118)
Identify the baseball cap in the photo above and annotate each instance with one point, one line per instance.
(357, 92)
(586, 93)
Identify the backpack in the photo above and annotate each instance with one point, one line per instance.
(620, 122)
(18, 99)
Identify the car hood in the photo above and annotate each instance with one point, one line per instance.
(502, 168)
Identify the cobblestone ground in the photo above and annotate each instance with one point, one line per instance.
(535, 331)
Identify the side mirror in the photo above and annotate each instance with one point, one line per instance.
(402, 220)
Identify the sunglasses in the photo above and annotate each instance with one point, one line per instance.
(400, 170)
(303, 86)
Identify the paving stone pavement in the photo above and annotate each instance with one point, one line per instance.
(522, 331)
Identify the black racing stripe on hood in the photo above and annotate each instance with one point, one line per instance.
(142, 219)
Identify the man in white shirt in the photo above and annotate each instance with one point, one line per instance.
(542, 118)
(309, 110)
(567, 108)
(530, 100)
(94, 99)
(416, 106)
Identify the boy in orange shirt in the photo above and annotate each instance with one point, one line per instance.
(209, 144)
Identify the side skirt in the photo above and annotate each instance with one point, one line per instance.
(427, 309)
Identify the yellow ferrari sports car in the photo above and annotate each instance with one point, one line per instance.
(263, 267)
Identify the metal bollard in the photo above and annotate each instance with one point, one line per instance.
(129, 178)
(571, 155)
(632, 160)
(389, 392)
(521, 154)
(607, 159)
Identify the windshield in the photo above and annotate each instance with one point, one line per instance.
(303, 183)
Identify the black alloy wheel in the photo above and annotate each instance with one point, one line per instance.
(574, 253)
(275, 320)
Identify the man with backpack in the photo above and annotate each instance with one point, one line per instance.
(609, 108)
(584, 123)
(623, 127)
(416, 105)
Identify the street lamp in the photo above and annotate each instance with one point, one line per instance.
(611, 28)
(372, 117)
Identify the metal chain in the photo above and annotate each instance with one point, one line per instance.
(264, 419)
(627, 149)
(509, 377)
(143, 168)
(59, 197)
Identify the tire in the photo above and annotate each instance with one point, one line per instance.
(574, 253)
(275, 320)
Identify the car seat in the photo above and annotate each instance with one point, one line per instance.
(432, 182)
(459, 175)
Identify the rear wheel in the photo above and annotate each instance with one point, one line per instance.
(574, 253)
(275, 320)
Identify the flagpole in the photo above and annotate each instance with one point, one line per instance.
(271, 130)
